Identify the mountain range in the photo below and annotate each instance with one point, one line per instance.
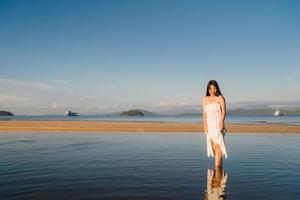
(240, 108)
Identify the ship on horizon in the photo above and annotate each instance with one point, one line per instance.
(277, 113)
(71, 114)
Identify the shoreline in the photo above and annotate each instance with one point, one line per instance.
(137, 126)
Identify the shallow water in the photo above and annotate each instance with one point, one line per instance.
(146, 166)
(253, 119)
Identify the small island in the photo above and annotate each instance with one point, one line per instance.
(132, 113)
(5, 113)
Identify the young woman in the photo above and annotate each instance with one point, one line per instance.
(214, 113)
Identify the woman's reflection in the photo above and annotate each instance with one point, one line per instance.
(216, 184)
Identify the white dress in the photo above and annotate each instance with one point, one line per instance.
(213, 121)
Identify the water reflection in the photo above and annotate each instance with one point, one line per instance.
(216, 184)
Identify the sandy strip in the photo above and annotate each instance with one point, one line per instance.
(113, 126)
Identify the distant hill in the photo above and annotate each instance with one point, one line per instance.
(136, 112)
(146, 112)
(5, 113)
(251, 112)
(265, 111)
(233, 108)
(237, 110)
(180, 110)
(293, 112)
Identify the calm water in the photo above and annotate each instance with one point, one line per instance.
(290, 119)
(146, 166)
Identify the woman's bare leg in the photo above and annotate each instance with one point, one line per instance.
(218, 154)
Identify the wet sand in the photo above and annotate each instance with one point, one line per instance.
(117, 126)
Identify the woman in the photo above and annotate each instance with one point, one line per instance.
(214, 113)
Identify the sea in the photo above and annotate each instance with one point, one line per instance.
(252, 119)
(156, 166)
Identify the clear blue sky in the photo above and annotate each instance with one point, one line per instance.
(107, 53)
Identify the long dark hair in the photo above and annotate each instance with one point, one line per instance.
(214, 83)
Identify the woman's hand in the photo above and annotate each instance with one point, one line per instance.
(222, 128)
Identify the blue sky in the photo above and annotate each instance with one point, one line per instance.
(147, 53)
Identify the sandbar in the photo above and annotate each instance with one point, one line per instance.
(122, 126)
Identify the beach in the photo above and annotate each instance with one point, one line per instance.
(121, 126)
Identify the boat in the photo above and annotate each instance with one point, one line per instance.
(71, 114)
(277, 113)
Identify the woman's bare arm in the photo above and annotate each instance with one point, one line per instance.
(223, 111)
(204, 117)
